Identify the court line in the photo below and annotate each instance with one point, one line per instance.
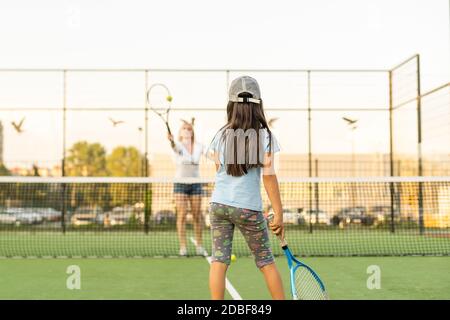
(231, 290)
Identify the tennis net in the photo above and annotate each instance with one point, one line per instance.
(137, 217)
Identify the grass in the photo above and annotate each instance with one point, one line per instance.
(407, 277)
(186, 278)
(347, 242)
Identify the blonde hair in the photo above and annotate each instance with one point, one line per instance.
(185, 123)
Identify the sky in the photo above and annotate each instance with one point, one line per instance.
(306, 34)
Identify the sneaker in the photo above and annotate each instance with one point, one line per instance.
(183, 252)
(201, 251)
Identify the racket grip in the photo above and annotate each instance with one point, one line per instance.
(168, 129)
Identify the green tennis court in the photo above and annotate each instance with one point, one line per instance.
(381, 254)
(329, 242)
(122, 126)
(187, 278)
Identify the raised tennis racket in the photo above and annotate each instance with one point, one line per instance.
(159, 101)
(305, 283)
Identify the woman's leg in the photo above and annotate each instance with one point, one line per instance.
(217, 274)
(180, 203)
(197, 218)
(273, 281)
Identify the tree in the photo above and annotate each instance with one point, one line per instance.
(4, 170)
(86, 159)
(124, 162)
(4, 190)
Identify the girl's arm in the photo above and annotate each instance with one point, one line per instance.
(172, 144)
(271, 185)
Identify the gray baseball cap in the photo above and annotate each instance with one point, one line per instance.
(244, 84)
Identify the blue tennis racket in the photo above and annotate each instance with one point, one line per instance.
(305, 283)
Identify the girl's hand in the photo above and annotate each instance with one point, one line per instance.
(170, 137)
(276, 225)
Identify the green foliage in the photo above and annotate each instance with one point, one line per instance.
(4, 170)
(86, 159)
(124, 162)
(133, 221)
(91, 159)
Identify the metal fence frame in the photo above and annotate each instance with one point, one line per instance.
(147, 71)
(309, 109)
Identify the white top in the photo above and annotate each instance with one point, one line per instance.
(187, 165)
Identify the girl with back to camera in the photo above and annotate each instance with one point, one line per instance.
(242, 149)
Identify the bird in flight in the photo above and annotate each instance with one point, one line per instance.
(115, 122)
(271, 122)
(18, 126)
(350, 121)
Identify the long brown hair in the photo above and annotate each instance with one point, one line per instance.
(245, 116)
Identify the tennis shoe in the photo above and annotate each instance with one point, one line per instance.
(183, 252)
(201, 251)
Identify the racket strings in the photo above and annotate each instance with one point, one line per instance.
(307, 286)
(158, 103)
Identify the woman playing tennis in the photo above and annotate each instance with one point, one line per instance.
(242, 149)
(188, 153)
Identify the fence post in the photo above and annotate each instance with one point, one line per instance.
(63, 161)
(147, 193)
(419, 147)
(391, 153)
(316, 189)
(309, 152)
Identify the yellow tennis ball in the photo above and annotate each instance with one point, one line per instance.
(233, 258)
(169, 98)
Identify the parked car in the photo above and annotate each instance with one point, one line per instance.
(49, 214)
(25, 215)
(382, 214)
(293, 216)
(7, 218)
(290, 215)
(86, 215)
(164, 217)
(317, 217)
(353, 215)
(122, 215)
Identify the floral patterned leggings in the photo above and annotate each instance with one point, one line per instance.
(253, 227)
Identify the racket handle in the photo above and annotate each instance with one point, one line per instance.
(168, 129)
(172, 143)
(282, 241)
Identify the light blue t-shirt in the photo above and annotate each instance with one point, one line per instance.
(244, 191)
